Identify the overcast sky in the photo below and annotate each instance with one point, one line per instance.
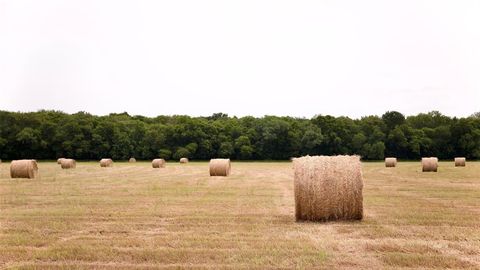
(298, 58)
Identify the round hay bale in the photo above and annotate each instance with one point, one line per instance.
(390, 162)
(68, 163)
(328, 188)
(158, 163)
(184, 160)
(429, 164)
(460, 162)
(132, 159)
(220, 167)
(25, 168)
(106, 162)
(59, 161)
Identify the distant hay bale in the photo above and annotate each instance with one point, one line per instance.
(328, 188)
(184, 160)
(26, 168)
(390, 162)
(460, 162)
(132, 159)
(158, 163)
(220, 167)
(106, 162)
(429, 164)
(68, 163)
(59, 161)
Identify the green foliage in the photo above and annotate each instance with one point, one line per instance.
(181, 153)
(165, 154)
(53, 134)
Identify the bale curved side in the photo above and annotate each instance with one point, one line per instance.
(460, 162)
(68, 163)
(184, 160)
(26, 168)
(158, 163)
(390, 162)
(106, 162)
(328, 188)
(220, 167)
(429, 164)
(132, 159)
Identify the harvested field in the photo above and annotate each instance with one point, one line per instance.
(137, 217)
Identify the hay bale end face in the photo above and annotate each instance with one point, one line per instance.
(106, 162)
(158, 163)
(132, 159)
(460, 162)
(220, 167)
(26, 168)
(184, 160)
(68, 163)
(328, 188)
(59, 161)
(390, 162)
(429, 164)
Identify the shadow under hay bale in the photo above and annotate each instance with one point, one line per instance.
(429, 164)
(26, 168)
(68, 163)
(158, 163)
(328, 188)
(106, 162)
(184, 160)
(390, 162)
(460, 162)
(220, 167)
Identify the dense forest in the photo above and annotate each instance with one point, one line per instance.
(52, 134)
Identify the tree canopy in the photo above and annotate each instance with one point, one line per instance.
(52, 134)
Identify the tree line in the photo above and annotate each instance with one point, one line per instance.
(52, 134)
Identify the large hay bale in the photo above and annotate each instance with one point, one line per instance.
(132, 159)
(220, 167)
(26, 168)
(390, 162)
(460, 162)
(59, 161)
(184, 160)
(429, 164)
(328, 188)
(106, 162)
(158, 163)
(68, 163)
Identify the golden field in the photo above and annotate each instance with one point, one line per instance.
(131, 216)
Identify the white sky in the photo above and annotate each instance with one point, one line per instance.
(297, 58)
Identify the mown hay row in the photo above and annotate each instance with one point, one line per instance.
(220, 167)
(158, 163)
(26, 168)
(328, 188)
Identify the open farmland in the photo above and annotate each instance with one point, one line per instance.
(133, 216)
